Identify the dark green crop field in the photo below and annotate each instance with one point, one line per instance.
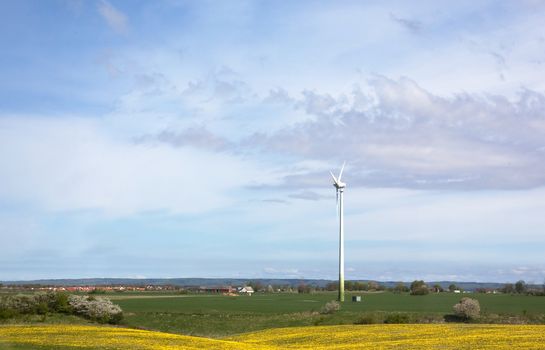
(217, 315)
(288, 303)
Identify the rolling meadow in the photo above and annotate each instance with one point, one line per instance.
(217, 315)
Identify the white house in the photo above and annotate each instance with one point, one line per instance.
(246, 290)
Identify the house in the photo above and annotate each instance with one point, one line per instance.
(246, 290)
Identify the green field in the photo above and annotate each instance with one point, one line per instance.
(218, 316)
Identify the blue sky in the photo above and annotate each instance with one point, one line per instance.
(194, 139)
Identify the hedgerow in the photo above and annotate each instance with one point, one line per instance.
(97, 309)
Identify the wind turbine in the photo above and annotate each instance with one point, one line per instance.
(339, 186)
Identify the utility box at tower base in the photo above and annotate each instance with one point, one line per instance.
(356, 298)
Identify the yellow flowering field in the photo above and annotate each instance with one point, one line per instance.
(401, 336)
(97, 337)
(407, 336)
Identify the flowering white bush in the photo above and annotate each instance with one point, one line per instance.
(467, 308)
(98, 309)
(331, 307)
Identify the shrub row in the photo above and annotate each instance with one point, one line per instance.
(393, 318)
(39, 303)
(465, 310)
(97, 309)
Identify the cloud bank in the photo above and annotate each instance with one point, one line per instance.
(396, 134)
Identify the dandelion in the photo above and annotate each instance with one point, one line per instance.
(390, 336)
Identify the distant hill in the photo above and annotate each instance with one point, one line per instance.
(167, 281)
(205, 282)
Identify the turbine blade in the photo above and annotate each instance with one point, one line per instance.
(341, 173)
(334, 178)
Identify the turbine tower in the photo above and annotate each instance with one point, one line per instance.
(339, 187)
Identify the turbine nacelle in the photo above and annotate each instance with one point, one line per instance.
(339, 185)
(337, 181)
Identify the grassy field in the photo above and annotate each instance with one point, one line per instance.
(219, 316)
(285, 303)
(419, 336)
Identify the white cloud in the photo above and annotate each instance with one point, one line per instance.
(196, 137)
(398, 134)
(72, 164)
(411, 25)
(116, 19)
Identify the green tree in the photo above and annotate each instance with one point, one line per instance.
(360, 286)
(372, 285)
(520, 287)
(303, 288)
(348, 285)
(256, 285)
(508, 288)
(401, 288)
(417, 284)
(452, 287)
(419, 287)
(331, 286)
(437, 288)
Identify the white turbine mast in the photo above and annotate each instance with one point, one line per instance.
(339, 188)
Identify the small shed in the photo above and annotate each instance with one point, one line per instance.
(356, 298)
